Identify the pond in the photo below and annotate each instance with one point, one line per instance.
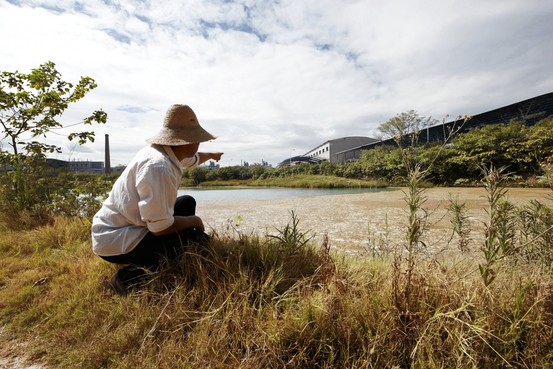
(256, 193)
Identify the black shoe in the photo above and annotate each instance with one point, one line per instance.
(117, 285)
(126, 279)
(196, 238)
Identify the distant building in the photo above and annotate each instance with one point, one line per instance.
(294, 160)
(57, 164)
(211, 165)
(328, 150)
(118, 169)
(74, 166)
(77, 165)
(86, 166)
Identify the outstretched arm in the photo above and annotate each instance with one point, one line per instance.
(205, 156)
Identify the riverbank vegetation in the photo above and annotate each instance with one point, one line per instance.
(299, 181)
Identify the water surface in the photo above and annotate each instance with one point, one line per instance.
(256, 193)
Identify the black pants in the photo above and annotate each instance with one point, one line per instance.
(152, 249)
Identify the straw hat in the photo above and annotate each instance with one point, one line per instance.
(181, 127)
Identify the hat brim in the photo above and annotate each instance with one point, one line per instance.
(179, 137)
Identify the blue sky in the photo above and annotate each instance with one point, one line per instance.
(270, 78)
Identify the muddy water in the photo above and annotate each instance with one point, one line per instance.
(354, 221)
(265, 193)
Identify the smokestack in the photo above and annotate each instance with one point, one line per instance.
(107, 164)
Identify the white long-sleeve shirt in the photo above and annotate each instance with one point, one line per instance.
(141, 200)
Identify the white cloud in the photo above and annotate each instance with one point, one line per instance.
(268, 77)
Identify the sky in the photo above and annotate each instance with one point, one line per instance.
(276, 78)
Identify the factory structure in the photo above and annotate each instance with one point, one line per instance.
(86, 166)
(346, 149)
(83, 166)
(330, 149)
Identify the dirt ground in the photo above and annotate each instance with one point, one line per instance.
(355, 222)
(12, 355)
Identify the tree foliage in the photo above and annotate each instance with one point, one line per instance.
(31, 105)
(405, 128)
(515, 146)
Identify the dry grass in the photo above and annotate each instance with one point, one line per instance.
(254, 302)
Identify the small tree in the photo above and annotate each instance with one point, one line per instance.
(30, 106)
(405, 128)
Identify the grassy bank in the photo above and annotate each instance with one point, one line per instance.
(302, 181)
(270, 302)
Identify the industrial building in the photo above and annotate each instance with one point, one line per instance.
(528, 111)
(77, 165)
(328, 150)
(346, 149)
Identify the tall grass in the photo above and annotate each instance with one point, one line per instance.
(251, 302)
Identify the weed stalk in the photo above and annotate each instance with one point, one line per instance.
(499, 229)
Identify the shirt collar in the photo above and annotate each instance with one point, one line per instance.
(169, 151)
